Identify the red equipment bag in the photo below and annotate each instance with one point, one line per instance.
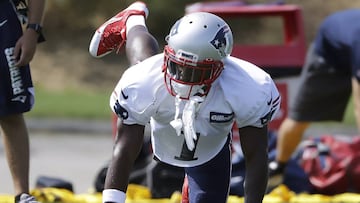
(332, 163)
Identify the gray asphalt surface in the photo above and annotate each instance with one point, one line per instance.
(71, 150)
(75, 150)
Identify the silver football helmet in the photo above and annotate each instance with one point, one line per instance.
(196, 45)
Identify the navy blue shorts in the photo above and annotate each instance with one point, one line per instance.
(210, 182)
(324, 91)
(16, 88)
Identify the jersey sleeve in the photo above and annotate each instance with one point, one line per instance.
(267, 109)
(134, 97)
(251, 93)
(127, 103)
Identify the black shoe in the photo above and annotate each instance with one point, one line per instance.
(276, 174)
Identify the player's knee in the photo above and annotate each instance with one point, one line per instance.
(141, 47)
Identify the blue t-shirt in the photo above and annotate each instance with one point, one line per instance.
(338, 40)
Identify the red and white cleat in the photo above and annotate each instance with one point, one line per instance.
(112, 34)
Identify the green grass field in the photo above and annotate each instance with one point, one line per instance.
(71, 104)
(95, 105)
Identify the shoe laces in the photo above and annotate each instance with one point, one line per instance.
(26, 198)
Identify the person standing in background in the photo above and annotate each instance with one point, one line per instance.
(331, 73)
(18, 47)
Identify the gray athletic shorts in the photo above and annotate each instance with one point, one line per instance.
(323, 93)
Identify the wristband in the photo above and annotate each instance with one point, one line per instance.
(113, 195)
(36, 27)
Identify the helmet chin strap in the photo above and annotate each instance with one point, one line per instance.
(187, 121)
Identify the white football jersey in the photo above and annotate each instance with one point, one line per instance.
(243, 93)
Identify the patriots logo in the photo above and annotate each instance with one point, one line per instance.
(175, 28)
(120, 111)
(220, 40)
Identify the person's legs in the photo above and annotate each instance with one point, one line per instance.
(16, 143)
(356, 97)
(140, 44)
(16, 98)
(322, 96)
(127, 27)
(210, 182)
(289, 137)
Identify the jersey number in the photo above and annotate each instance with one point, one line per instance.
(186, 154)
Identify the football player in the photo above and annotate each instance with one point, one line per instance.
(191, 94)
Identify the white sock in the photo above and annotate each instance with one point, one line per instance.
(113, 195)
(133, 21)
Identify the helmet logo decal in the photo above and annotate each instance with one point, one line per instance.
(174, 29)
(220, 41)
(120, 111)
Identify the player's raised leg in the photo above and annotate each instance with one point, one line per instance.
(112, 34)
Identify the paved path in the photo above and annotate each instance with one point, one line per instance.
(76, 150)
(72, 150)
